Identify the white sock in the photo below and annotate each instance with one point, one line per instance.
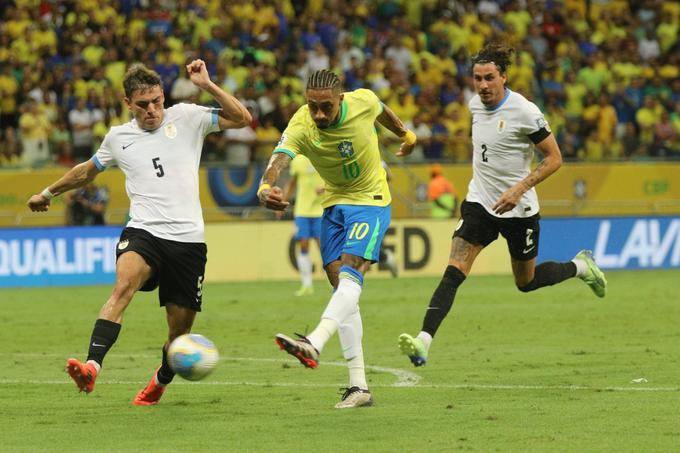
(323, 332)
(357, 375)
(581, 267)
(350, 333)
(343, 303)
(304, 263)
(97, 366)
(426, 338)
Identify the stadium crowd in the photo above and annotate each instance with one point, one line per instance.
(605, 72)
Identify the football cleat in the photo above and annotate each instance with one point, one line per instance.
(355, 397)
(304, 291)
(414, 348)
(150, 394)
(301, 349)
(83, 374)
(593, 277)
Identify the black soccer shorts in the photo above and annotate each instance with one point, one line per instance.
(477, 226)
(178, 267)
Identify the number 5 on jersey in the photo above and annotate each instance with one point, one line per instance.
(160, 173)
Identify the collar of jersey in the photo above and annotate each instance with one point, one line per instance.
(497, 106)
(343, 114)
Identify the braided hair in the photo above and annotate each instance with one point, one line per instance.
(495, 53)
(323, 79)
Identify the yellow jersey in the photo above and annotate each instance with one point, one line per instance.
(345, 154)
(307, 200)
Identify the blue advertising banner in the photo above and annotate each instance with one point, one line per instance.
(58, 256)
(616, 242)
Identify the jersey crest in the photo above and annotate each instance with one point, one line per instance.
(171, 130)
(501, 126)
(346, 149)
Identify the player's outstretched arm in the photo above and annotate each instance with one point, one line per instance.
(552, 161)
(270, 196)
(233, 115)
(391, 121)
(78, 176)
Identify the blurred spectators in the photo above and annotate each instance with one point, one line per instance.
(86, 206)
(35, 129)
(602, 70)
(82, 120)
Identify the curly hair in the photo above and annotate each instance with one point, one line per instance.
(495, 53)
(139, 77)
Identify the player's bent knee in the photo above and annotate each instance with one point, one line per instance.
(123, 291)
(528, 287)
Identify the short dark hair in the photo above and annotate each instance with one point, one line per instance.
(139, 77)
(495, 53)
(323, 79)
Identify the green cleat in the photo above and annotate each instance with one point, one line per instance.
(304, 291)
(594, 277)
(414, 348)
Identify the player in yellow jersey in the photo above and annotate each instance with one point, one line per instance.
(336, 131)
(308, 188)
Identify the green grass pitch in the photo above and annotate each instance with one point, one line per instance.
(553, 370)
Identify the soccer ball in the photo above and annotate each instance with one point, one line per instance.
(192, 356)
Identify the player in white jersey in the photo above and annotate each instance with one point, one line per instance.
(501, 197)
(162, 245)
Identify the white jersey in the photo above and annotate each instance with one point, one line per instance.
(161, 170)
(503, 147)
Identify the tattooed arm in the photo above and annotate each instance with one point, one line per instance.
(269, 194)
(552, 161)
(391, 121)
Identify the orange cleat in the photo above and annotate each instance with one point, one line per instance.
(83, 374)
(150, 394)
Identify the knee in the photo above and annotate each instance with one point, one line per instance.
(177, 332)
(123, 291)
(527, 287)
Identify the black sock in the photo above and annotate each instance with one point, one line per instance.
(549, 273)
(104, 335)
(442, 299)
(165, 373)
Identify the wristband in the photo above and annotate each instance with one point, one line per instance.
(263, 187)
(47, 194)
(410, 138)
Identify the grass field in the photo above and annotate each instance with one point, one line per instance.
(552, 370)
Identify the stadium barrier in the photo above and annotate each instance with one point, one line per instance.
(578, 189)
(617, 242)
(252, 251)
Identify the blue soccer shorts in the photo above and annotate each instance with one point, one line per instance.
(353, 229)
(307, 228)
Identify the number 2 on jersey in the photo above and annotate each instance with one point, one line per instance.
(484, 150)
(160, 173)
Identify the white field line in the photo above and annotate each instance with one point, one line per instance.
(405, 378)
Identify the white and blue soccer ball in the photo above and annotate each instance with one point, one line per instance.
(192, 356)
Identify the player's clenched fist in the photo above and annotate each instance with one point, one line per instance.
(38, 203)
(272, 198)
(198, 73)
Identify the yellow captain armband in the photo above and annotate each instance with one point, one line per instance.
(263, 187)
(410, 137)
